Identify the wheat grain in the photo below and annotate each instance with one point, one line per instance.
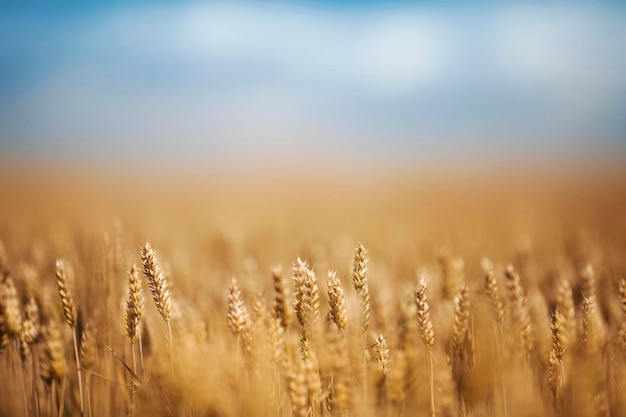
(427, 333)
(87, 348)
(423, 314)
(593, 329)
(359, 281)
(588, 282)
(281, 309)
(306, 305)
(238, 317)
(53, 365)
(157, 283)
(134, 304)
(10, 315)
(69, 309)
(338, 312)
(460, 326)
(381, 355)
(491, 288)
(297, 387)
(565, 306)
(520, 311)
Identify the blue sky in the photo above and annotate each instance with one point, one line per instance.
(225, 79)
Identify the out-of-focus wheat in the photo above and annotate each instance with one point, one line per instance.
(281, 310)
(69, 311)
(520, 311)
(427, 333)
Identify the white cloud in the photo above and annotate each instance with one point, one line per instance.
(569, 56)
(387, 50)
(230, 74)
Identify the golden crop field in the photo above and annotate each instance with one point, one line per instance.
(493, 295)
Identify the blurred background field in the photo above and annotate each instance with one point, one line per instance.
(237, 136)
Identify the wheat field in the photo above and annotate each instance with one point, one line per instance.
(316, 297)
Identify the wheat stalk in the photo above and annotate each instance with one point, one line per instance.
(314, 385)
(30, 328)
(337, 302)
(69, 311)
(499, 316)
(134, 313)
(497, 307)
(238, 317)
(460, 326)
(10, 315)
(567, 311)
(297, 387)
(588, 281)
(520, 311)
(87, 359)
(427, 333)
(306, 305)
(593, 330)
(281, 309)
(622, 330)
(559, 346)
(340, 390)
(381, 355)
(359, 281)
(52, 365)
(157, 283)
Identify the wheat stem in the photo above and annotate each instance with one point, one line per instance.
(431, 381)
(169, 329)
(80, 377)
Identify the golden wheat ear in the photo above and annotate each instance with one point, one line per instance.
(381, 355)
(134, 304)
(460, 327)
(282, 310)
(52, 363)
(337, 302)
(359, 281)
(157, 283)
(69, 309)
(520, 311)
(10, 314)
(238, 317)
(30, 328)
